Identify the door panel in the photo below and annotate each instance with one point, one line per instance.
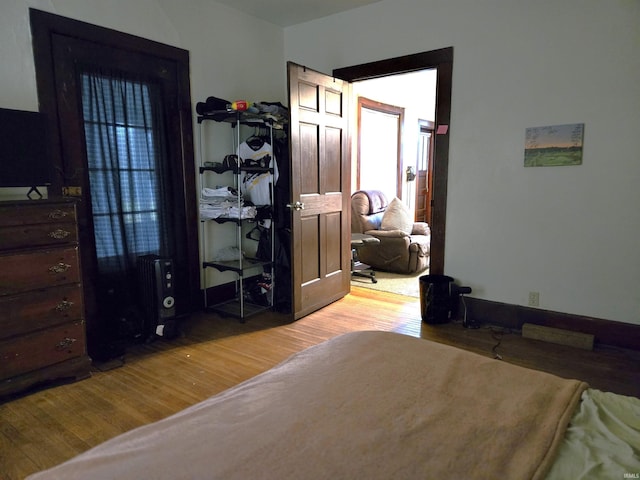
(333, 101)
(309, 233)
(320, 179)
(334, 252)
(333, 174)
(309, 142)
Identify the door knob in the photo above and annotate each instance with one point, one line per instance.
(296, 206)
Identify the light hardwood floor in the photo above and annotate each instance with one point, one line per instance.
(157, 379)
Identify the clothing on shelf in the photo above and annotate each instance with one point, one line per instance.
(256, 151)
(222, 202)
(226, 210)
(256, 187)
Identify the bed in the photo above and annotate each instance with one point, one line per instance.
(382, 405)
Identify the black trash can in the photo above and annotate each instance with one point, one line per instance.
(435, 298)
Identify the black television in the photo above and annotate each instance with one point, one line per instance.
(24, 152)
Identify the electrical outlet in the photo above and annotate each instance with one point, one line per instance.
(534, 299)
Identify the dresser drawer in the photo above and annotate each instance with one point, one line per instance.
(25, 213)
(39, 309)
(36, 235)
(46, 347)
(27, 271)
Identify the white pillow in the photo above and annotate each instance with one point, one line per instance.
(397, 217)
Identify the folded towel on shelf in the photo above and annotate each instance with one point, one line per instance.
(226, 209)
(209, 211)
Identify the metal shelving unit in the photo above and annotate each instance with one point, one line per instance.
(241, 306)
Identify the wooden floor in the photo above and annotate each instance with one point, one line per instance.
(157, 379)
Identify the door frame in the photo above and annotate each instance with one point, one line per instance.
(45, 27)
(442, 61)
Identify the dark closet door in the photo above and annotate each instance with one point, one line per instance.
(64, 48)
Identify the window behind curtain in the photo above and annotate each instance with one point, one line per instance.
(125, 151)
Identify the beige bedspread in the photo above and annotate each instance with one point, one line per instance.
(366, 405)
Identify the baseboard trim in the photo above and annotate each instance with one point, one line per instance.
(607, 332)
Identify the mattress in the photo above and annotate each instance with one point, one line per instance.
(381, 405)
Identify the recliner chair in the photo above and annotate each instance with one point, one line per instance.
(401, 250)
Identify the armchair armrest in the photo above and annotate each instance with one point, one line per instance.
(421, 228)
(387, 233)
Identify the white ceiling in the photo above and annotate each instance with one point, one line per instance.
(292, 12)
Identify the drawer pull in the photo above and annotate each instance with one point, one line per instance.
(64, 305)
(65, 343)
(59, 234)
(59, 268)
(57, 213)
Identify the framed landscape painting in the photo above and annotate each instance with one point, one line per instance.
(555, 145)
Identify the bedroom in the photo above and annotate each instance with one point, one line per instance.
(568, 233)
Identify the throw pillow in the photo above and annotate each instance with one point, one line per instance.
(397, 217)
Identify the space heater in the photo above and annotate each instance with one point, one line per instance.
(156, 290)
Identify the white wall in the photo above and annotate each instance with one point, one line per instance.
(570, 233)
(232, 55)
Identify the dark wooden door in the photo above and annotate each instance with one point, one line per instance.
(424, 177)
(62, 49)
(320, 183)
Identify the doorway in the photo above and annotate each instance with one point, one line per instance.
(303, 140)
(442, 61)
(390, 154)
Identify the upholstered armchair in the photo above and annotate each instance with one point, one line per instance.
(404, 244)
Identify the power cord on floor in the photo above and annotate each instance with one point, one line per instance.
(496, 335)
(496, 332)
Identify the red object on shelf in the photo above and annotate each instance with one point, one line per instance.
(239, 105)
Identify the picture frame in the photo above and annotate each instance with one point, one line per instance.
(554, 145)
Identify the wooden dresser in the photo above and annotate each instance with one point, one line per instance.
(42, 328)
